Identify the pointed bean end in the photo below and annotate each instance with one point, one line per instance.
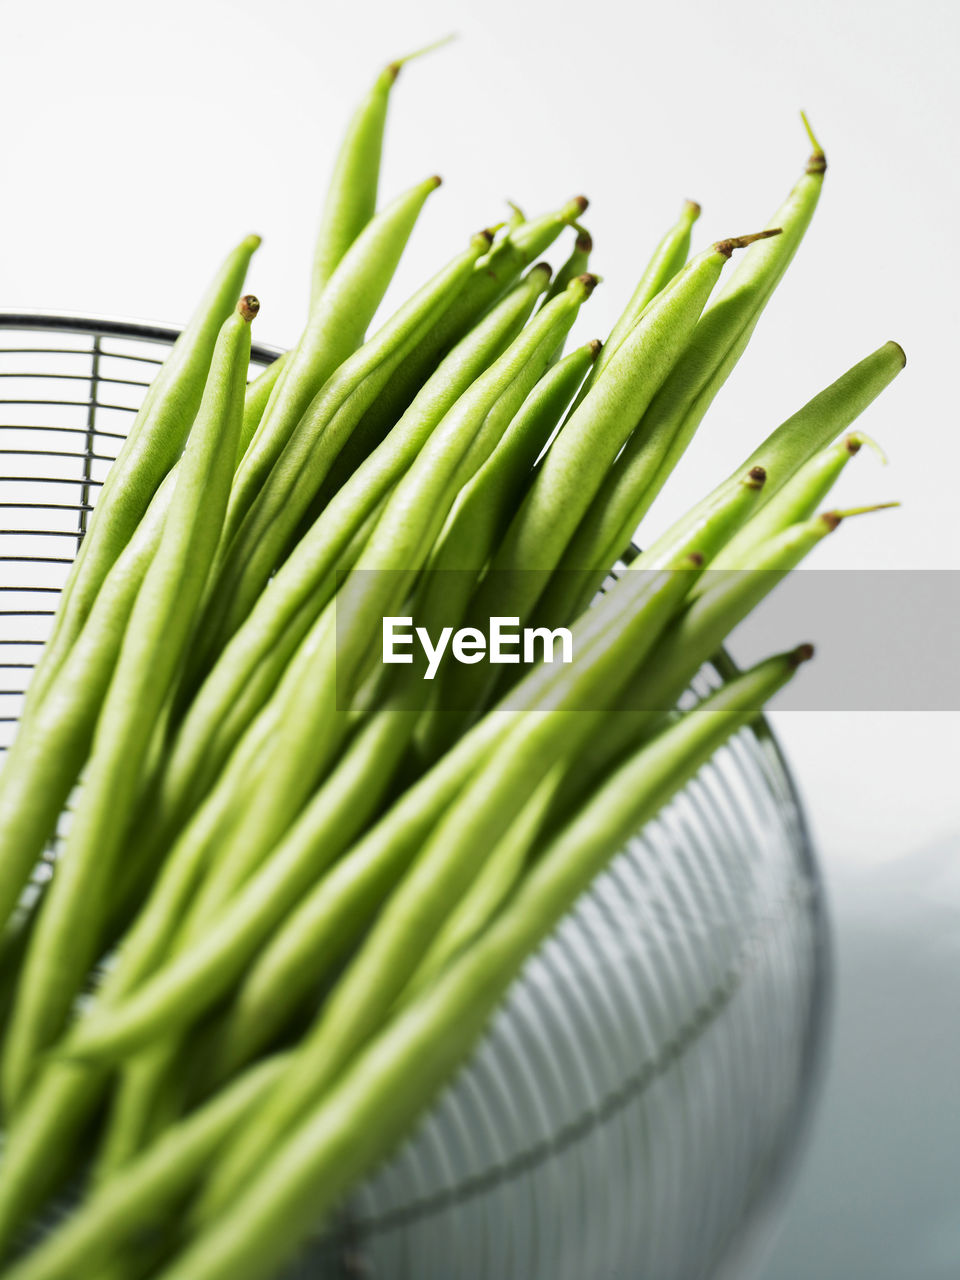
(584, 240)
(253, 243)
(392, 69)
(435, 181)
(596, 346)
(801, 654)
(726, 247)
(896, 347)
(572, 210)
(248, 306)
(832, 518)
(756, 478)
(818, 161)
(544, 268)
(695, 560)
(589, 282)
(691, 210)
(858, 439)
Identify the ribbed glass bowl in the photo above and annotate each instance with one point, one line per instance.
(643, 1089)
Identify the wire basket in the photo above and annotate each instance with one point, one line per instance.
(642, 1091)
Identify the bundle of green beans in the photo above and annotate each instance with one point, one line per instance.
(297, 881)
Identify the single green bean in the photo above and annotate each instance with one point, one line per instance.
(333, 332)
(352, 192)
(151, 448)
(71, 920)
(575, 265)
(669, 259)
(359, 1121)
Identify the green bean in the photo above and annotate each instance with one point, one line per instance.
(492, 276)
(352, 193)
(257, 398)
(296, 596)
(577, 460)
(359, 1121)
(484, 507)
(333, 332)
(669, 258)
(151, 1186)
(67, 931)
(285, 495)
(497, 878)
(575, 265)
(674, 414)
(151, 448)
(50, 748)
(445, 867)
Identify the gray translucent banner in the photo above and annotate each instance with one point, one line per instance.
(885, 640)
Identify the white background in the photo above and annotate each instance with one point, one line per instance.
(140, 143)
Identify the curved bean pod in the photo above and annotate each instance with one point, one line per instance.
(333, 332)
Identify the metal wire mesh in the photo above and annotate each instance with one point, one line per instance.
(643, 1089)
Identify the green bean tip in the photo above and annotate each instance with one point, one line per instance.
(691, 209)
(584, 240)
(756, 478)
(392, 69)
(253, 242)
(695, 560)
(596, 346)
(726, 247)
(435, 181)
(572, 210)
(802, 653)
(858, 439)
(248, 306)
(588, 281)
(545, 267)
(895, 346)
(818, 161)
